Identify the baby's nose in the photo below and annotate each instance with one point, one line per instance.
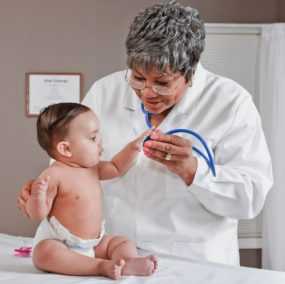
(101, 149)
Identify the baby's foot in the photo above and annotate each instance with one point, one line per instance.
(113, 270)
(155, 263)
(140, 266)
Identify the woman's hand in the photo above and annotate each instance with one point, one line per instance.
(174, 152)
(24, 196)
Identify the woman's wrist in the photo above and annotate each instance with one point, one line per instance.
(189, 174)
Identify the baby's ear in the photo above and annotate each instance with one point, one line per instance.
(63, 148)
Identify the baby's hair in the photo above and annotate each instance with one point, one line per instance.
(53, 123)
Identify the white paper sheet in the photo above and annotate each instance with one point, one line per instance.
(19, 270)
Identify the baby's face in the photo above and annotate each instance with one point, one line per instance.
(85, 140)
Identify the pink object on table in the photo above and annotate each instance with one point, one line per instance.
(23, 251)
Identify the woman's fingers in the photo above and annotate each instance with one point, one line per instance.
(40, 186)
(21, 205)
(174, 152)
(170, 139)
(25, 191)
(23, 197)
(167, 148)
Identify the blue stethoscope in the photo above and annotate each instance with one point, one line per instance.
(209, 158)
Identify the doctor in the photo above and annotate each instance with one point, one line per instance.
(170, 201)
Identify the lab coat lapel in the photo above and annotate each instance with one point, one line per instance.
(139, 123)
(182, 113)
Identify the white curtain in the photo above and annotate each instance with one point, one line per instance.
(272, 108)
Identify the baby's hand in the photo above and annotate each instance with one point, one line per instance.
(138, 142)
(40, 188)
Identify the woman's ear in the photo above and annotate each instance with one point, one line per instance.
(63, 148)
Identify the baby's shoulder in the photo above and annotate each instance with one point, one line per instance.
(64, 172)
(56, 171)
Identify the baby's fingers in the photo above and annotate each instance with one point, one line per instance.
(144, 135)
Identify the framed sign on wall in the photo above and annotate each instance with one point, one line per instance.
(46, 88)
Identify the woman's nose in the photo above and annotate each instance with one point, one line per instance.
(148, 92)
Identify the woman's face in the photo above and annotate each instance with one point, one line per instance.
(159, 92)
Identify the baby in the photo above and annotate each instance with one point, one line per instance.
(66, 197)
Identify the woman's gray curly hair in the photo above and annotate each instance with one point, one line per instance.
(166, 35)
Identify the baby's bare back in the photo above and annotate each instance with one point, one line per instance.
(77, 204)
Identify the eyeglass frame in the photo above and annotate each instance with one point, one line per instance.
(155, 88)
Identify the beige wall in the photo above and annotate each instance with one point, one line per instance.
(70, 36)
(281, 6)
(237, 11)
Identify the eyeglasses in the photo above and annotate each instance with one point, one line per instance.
(163, 89)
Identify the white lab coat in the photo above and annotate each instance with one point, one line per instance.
(153, 206)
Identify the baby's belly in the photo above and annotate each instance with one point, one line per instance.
(82, 220)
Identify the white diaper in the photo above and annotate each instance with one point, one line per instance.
(53, 229)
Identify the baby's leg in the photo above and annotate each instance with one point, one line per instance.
(54, 256)
(118, 247)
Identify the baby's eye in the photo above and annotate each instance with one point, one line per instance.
(93, 138)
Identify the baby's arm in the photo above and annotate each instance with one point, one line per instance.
(122, 161)
(43, 192)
